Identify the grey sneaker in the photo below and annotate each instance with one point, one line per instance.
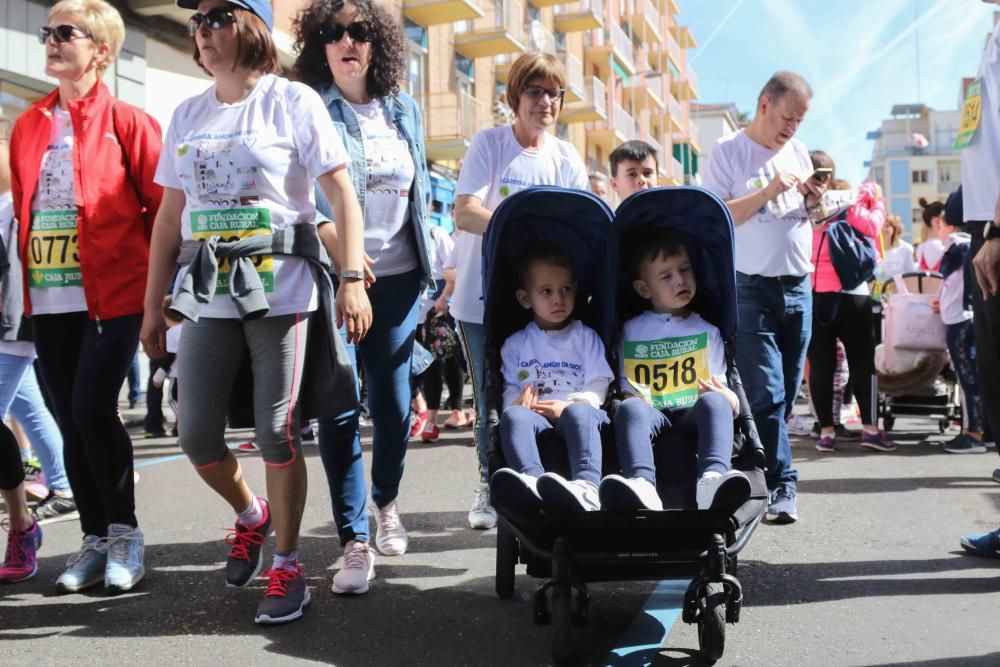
(286, 596)
(482, 516)
(55, 508)
(86, 567)
(125, 551)
(782, 508)
(561, 494)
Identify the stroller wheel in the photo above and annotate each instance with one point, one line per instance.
(506, 561)
(562, 623)
(712, 624)
(943, 425)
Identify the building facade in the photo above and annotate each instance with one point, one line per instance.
(715, 121)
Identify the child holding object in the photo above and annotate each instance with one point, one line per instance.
(673, 368)
(555, 377)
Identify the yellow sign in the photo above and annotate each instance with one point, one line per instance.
(972, 115)
(666, 371)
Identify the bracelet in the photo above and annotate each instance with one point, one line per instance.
(352, 274)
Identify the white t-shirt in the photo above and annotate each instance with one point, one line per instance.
(981, 158)
(174, 338)
(898, 260)
(777, 240)
(8, 236)
(55, 283)
(441, 251)
(249, 168)
(952, 292)
(566, 364)
(496, 166)
(389, 175)
(929, 254)
(663, 356)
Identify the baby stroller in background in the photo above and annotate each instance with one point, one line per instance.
(911, 358)
(570, 550)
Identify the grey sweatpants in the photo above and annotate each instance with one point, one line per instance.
(213, 349)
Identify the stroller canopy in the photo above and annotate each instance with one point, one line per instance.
(705, 219)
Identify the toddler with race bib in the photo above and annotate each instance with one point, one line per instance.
(673, 370)
(555, 377)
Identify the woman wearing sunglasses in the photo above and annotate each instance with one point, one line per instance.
(353, 54)
(82, 168)
(238, 168)
(501, 161)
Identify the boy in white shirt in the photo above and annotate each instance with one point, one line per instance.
(556, 377)
(673, 367)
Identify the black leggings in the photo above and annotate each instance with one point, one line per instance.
(849, 318)
(11, 469)
(83, 366)
(449, 370)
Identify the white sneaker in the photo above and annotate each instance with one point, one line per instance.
(390, 536)
(728, 490)
(799, 425)
(512, 490)
(482, 516)
(358, 569)
(568, 495)
(619, 494)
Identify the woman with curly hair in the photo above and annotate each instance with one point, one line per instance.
(352, 54)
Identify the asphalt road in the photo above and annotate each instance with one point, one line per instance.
(871, 575)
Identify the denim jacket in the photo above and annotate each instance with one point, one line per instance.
(406, 116)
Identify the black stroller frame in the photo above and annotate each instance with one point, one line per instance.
(571, 550)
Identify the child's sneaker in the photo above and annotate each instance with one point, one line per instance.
(515, 491)
(877, 441)
(722, 491)
(21, 561)
(620, 494)
(568, 495)
(432, 433)
(827, 443)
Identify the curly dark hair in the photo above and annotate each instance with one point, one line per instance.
(388, 57)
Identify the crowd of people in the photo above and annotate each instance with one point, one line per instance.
(275, 243)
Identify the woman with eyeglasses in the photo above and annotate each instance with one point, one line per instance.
(239, 216)
(500, 162)
(82, 166)
(352, 53)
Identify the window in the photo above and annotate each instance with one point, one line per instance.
(919, 176)
(416, 58)
(416, 34)
(465, 74)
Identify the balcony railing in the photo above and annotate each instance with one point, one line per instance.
(436, 12)
(573, 67)
(694, 137)
(593, 104)
(661, 156)
(673, 48)
(622, 45)
(450, 120)
(578, 16)
(540, 38)
(674, 110)
(678, 169)
(623, 123)
(644, 19)
(505, 35)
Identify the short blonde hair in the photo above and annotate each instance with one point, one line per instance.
(534, 66)
(100, 19)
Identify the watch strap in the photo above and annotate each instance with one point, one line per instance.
(352, 274)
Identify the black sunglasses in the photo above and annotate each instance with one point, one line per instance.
(536, 92)
(62, 33)
(216, 19)
(332, 33)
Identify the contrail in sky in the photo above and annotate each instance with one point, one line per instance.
(719, 26)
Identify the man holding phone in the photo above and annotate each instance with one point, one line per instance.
(766, 178)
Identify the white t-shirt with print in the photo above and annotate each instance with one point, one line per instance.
(898, 260)
(248, 168)
(981, 158)
(777, 239)
(55, 283)
(389, 175)
(566, 364)
(663, 356)
(8, 236)
(441, 251)
(497, 166)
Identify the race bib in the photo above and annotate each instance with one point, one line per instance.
(972, 115)
(233, 224)
(53, 253)
(666, 371)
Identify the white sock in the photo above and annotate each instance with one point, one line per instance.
(252, 515)
(286, 562)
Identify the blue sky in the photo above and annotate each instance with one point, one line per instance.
(860, 56)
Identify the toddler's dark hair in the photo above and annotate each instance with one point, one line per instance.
(541, 252)
(651, 244)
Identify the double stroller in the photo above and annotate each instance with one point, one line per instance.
(568, 550)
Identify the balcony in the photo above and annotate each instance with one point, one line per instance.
(617, 45)
(580, 16)
(644, 94)
(546, 3)
(573, 67)
(674, 113)
(645, 20)
(621, 127)
(685, 89)
(506, 35)
(694, 137)
(451, 120)
(663, 169)
(592, 106)
(677, 171)
(540, 38)
(437, 12)
(684, 36)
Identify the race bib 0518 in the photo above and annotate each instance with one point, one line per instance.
(53, 250)
(667, 370)
(233, 224)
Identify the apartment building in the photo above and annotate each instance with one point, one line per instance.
(626, 64)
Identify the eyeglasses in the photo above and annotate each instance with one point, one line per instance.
(536, 92)
(359, 31)
(62, 33)
(216, 19)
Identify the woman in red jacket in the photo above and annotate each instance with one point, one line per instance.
(82, 176)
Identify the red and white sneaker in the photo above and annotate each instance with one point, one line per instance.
(432, 433)
(21, 561)
(417, 423)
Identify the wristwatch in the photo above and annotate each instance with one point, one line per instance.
(352, 274)
(991, 231)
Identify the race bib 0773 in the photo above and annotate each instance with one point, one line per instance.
(233, 224)
(667, 370)
(53, 250)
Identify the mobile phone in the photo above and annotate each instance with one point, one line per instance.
(822, 174)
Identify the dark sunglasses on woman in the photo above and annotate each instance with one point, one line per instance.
(62, 33)
(334, 32)
(216, 19)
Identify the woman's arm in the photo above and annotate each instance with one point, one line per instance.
(470, 214)
(164, 246)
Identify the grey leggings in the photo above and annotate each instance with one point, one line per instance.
(212, 350)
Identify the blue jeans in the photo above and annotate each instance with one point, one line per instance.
(473, 339)
(579, 426)
(640, 428)
(385, 353)
(962, 348)
(771, 342)
(21, 395)
(134, 380)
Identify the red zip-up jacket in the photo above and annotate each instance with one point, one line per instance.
(116, 203)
